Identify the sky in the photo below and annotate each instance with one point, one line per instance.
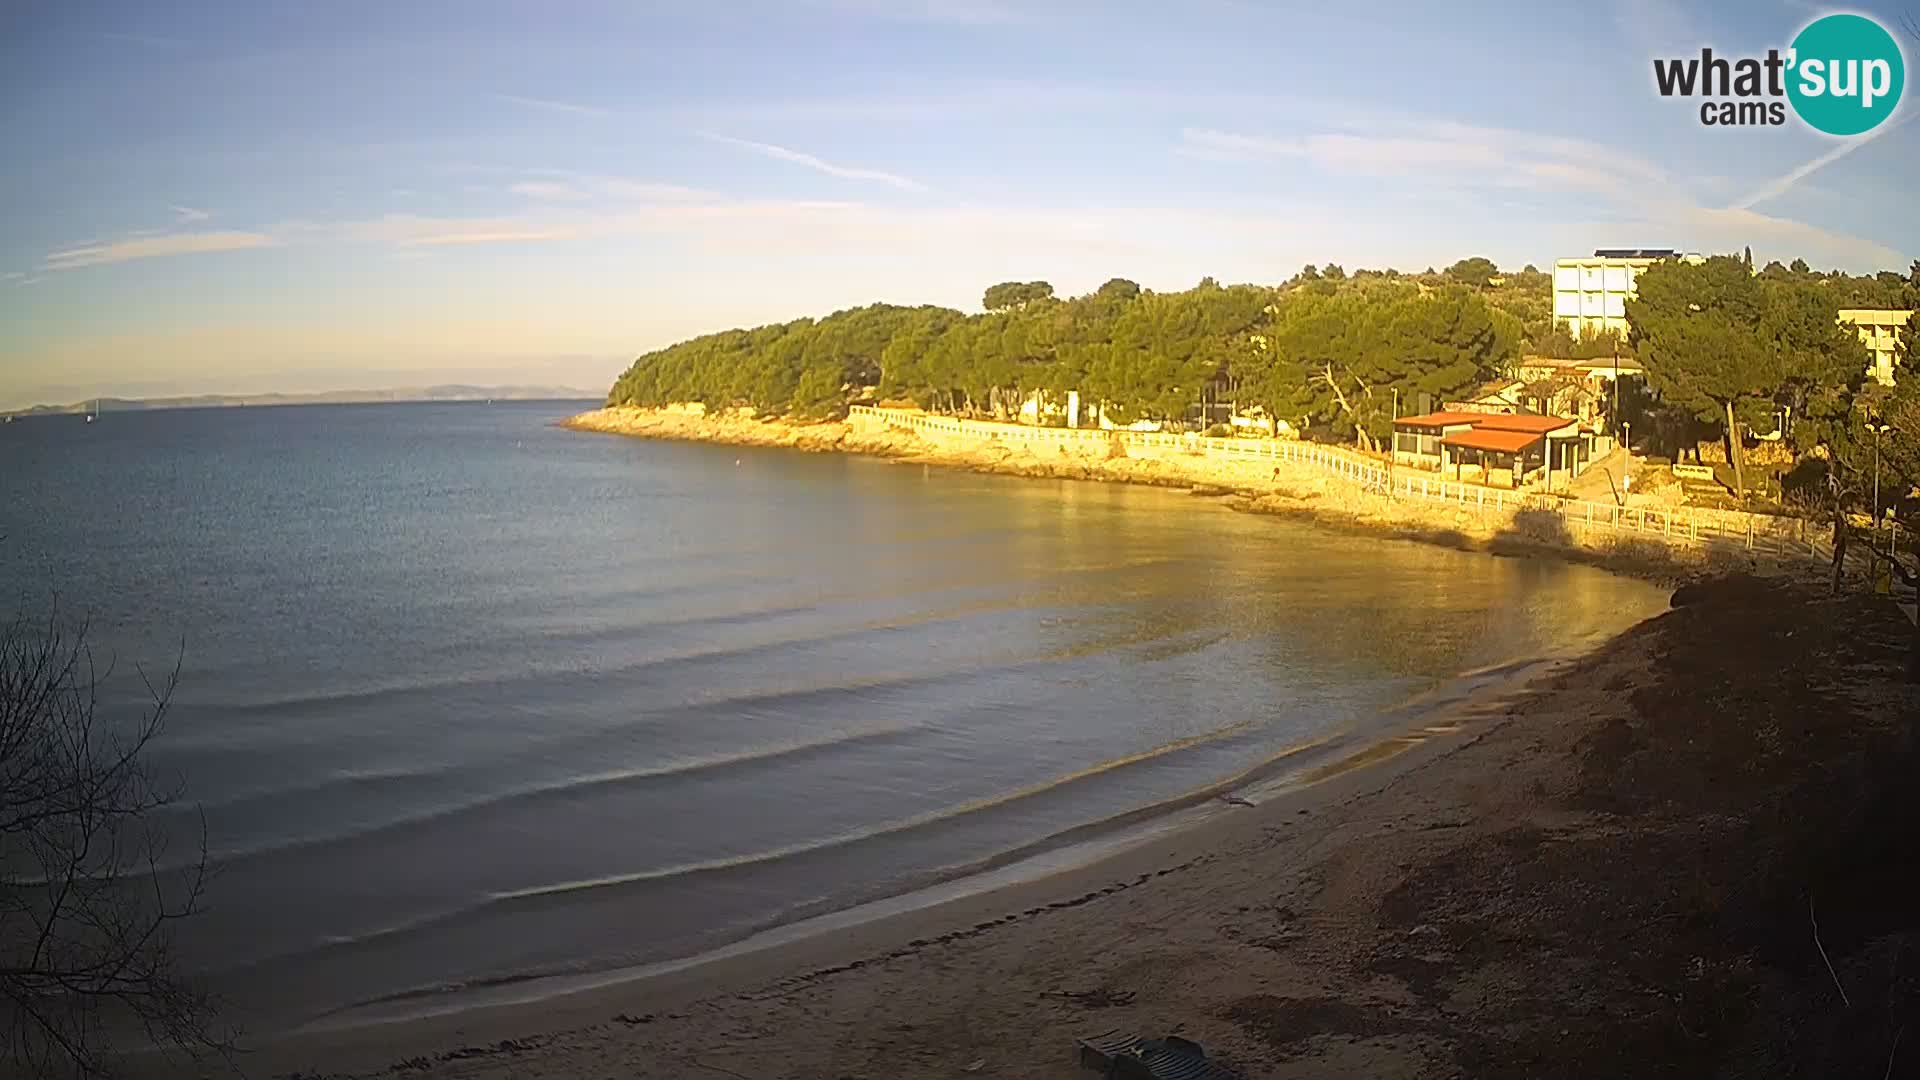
(259, 195)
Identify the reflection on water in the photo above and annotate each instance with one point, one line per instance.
(468, 698)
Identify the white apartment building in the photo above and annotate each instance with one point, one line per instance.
(1881, 331)
(1590, 294)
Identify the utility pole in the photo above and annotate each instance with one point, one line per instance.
(1878, 430)
(1616, 382)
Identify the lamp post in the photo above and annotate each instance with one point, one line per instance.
(1616, 379)
(1626, 443)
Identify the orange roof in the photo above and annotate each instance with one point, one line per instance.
(1442, 419)
(1488, 421)
(1506, 442)
(1523, 422)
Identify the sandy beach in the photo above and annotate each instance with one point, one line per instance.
(1604, 872)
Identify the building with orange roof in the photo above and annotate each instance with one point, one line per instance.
(1506, 449)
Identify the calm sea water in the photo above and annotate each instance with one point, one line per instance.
(466, 698)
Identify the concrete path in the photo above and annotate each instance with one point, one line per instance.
(1601, 481)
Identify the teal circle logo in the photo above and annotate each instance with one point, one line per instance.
(1846, 73)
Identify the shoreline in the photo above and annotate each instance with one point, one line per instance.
(1111, 856)
(1595, 872)
(1254, 486)
(1082, 847)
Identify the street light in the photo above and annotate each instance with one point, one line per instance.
(1626, 444)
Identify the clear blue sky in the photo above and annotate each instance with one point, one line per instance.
(256, 195)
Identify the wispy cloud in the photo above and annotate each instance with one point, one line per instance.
(491, 236)
(561, 185)
(1635, 193)
(845, 172)
(549, 191)
(187, 214)
(552, 105)
(807, 229)
(153, 247)
(412, 231)
(548, 223)
(1370, 154)
(1485, 156)
(1779, 186)
(1727, 229)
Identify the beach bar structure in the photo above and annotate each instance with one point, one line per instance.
(1501, 449)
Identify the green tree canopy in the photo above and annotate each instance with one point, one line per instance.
(1819, 364)
(1015, 294)
(1727, 347)
(1696, 327)
(1117, 292)
(1722, 347)
(1347, 356)
(1476, 271)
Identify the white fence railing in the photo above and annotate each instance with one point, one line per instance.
(1791, 539)
(1329, 457)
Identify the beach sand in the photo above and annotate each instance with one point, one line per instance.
(1604, 873)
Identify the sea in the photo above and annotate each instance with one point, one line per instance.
(467, 700)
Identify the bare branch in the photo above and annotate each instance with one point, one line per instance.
(87, 968)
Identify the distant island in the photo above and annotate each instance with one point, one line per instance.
(324, 397)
